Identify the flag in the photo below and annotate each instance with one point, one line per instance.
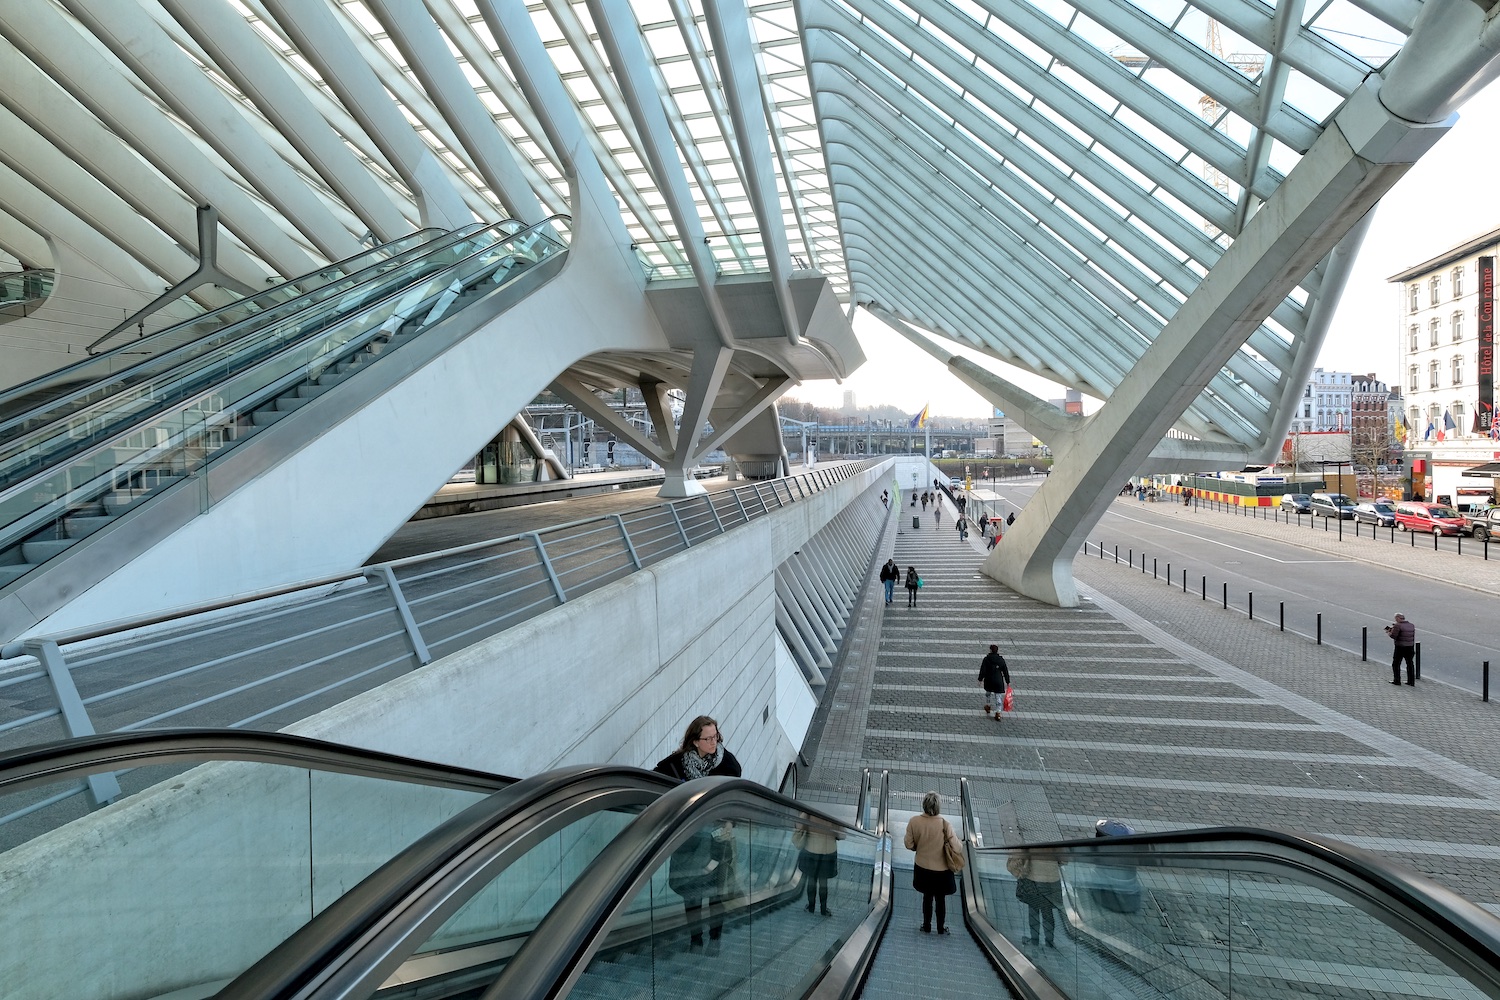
(1427, 434)
(1401, 429)
(920, 420)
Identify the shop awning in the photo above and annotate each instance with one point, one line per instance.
(1490, 470)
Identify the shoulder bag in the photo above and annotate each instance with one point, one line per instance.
(953, 853)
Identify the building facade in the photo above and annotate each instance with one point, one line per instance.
(1326, 403)
(1446, 345)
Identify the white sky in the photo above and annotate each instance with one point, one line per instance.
(1446, 199)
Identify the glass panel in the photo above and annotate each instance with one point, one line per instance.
(473, 945)
(333, 336)
(729, 913)
(192, 874)
(1177, 931)
(195, 354)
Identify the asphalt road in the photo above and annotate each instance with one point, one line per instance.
(1458, 625)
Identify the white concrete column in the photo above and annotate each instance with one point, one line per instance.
(1356, 160)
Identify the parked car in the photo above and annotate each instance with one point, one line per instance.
(1485, 524)
(1429, 518)
(955, 483)
(1297, 502)
(1380, 513)
(1332, 505)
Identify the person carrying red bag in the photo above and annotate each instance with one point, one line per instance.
(994, 677)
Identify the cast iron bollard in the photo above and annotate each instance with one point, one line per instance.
(1364, 643)
(1486, 680)
(1184, 581)
(1320, 628)
(1281, 617)
(1419, 661)
(1205, 589)
(1226, 596)
(1250, 604)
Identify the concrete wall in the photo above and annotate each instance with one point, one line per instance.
(195, 878)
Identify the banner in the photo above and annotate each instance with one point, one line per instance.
(1486, 407)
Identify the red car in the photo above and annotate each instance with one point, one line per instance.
(1430, 518)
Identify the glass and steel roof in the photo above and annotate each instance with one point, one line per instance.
(1044, 180)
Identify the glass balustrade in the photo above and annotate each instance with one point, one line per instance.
(49, 431)
(192, 874)
(159, 449)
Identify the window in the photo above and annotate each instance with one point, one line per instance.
(1307, 392)
(1307, 409)
(1456, 324)
(1411, 383)
(1457, 409)
(1458, 369)
(1411, 299)
(1432, 333)
(1432, 375)
(1432, 291)
(1412, 346)
(1456, 276)
(1414, 418)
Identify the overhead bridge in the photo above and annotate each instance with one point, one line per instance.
(255, 865)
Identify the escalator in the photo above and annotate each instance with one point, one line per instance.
(96, 442)
(414, 880)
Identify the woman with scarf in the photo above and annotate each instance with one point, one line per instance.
(704, 867)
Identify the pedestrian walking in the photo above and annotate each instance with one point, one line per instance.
(994, 677)
(924, 503)
(961, 525)
(984, 521)
(889, 574)
(1404, 634)
(937, 512)
(913, 582)
(929, 835)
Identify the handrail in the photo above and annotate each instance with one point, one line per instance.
(53, 762)
(556, 952)
(17, 647)
(364, 935)
(846, 972)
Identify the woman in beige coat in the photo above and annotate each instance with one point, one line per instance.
(926, 834)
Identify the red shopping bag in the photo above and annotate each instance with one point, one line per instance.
(1009, 702)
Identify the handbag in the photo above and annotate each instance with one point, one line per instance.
(953, 855)
(1008, 703)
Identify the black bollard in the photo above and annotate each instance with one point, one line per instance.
(1204, 595)
(1281, 617)
(1250, 605)
(1226, 596)
(1320, 628)
(1419, 661)
(1364, 643)
(1486, 680)
(1153, 567)
(1184, 581)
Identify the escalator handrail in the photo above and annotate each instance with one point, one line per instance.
(243, 329)
(359, 938)
(134, 345)
(48, 763)
(110, 440)
(1025, 980)
(1467, 935)
(558, 950)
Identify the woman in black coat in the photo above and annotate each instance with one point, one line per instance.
(912, 583)
(703, 869)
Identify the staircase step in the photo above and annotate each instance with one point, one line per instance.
(310, 389)
(41, 551)
(289, 402)
(119, 500)
(79, 525)
(15, 572)
(265, 417)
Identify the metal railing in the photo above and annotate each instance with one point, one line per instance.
(269, 659)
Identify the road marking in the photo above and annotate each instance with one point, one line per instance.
(1233, 548)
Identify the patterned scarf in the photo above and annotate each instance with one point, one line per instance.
(697, 766)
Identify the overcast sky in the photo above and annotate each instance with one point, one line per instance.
(1448, 198)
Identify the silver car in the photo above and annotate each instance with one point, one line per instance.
(1377, 512)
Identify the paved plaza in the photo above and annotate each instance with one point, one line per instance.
(1153, 707)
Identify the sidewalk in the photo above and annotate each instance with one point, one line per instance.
(1160, 710)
